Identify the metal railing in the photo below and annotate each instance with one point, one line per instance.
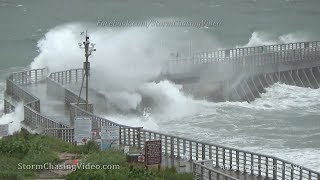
(229, 158)
(67, 77)
(32, 116)
(128, 135)
(201, 172)
(28, 77)
(246, 51)
(283, 55)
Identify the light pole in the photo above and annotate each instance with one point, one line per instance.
(88, 48)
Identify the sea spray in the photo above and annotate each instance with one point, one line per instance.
(126, 59)
(260, 38)
(14, 119)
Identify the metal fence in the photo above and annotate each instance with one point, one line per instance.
(32, 116)
(246, 51)
(204, 171)
(251, 60)
(67, 77)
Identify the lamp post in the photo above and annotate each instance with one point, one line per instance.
(88, 48)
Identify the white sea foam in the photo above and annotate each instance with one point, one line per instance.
(2, 89)
(13, 119)
(259, 38)
(281, 96)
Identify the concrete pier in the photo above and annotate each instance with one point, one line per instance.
(243, 74)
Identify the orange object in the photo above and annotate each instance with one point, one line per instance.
(75, 161)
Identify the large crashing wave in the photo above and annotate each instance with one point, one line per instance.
(125, 60)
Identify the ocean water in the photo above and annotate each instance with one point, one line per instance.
(284, 122)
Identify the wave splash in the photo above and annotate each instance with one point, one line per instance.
(14, 119)
(259, 38)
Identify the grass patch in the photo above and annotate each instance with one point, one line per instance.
(29, 149)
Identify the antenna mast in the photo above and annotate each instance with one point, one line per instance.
(88, 48)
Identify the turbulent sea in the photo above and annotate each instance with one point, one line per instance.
(285, 122)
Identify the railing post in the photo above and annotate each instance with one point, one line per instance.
(171, 147)
(165, 146)
(230, 158)
(178, 148)
(245, 162)
(300, 174)
(197, 151)
(210, 151)
(237, 161)
(309, 175)
(172, 151)
(251, 167)
(292, 174)
(139, 137)
(190, 150)
(120, 135)
(36, 76)
(203, 151)
(224, 157)
(184, 147)
(267, 168)
(259, 166)
(217, 156)
(283, 170)
(129, 136)
(124, 136)
(134, 136)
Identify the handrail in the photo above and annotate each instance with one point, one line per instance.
(210, 58)
(251, 63)
(238, 52)
(208, 173)
(32, 115)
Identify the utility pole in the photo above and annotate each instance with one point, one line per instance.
(88, 48)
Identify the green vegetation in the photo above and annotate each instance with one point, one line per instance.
(37, 149)
(29, 149)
